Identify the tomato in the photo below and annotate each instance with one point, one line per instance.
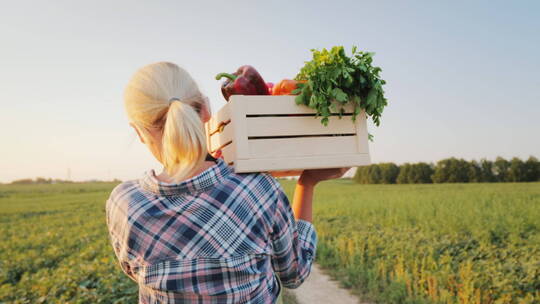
(285, 87)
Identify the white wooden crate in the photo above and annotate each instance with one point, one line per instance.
(274, 134)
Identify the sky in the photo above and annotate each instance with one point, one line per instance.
(462, 76)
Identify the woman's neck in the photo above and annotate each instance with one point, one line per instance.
(164, 177)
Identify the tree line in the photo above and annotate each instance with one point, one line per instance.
(451, 170)
(43, 180)
(38, 180)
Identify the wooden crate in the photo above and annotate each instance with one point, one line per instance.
(274, 134)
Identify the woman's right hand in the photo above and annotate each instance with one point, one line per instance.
(303, 193)
(313, 176)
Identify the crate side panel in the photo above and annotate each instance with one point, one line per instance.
(221, 138)
(207, 133)
(286, 126)
(228, 153)
(239, 127)
(301, 146)
(362, 133)
(221, 116)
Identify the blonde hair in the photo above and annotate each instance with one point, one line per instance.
(162, 96)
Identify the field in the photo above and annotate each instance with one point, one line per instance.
(469, 243)
(447, 243)
(54, 247)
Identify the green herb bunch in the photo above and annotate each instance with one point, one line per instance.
(333, 76)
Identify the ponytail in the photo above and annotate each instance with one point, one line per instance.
(147, 101)
(183, 142)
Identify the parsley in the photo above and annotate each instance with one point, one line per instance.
(334, 79)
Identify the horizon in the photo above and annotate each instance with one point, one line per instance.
(348, 175)
(461, 77)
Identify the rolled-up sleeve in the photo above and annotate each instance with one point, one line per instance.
(294, 244)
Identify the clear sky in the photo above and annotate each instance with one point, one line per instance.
(462, 76)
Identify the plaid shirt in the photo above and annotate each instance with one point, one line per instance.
(219, 237)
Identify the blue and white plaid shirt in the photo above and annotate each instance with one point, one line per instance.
(219, 237)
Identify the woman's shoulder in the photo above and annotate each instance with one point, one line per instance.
(125, 187)
(121, 190)
(257, 179)
(132, 191)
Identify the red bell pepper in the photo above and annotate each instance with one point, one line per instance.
(269, 86)
(245, 81)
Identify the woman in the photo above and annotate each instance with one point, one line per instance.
(198, 232)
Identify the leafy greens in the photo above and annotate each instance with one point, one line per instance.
(334, 78)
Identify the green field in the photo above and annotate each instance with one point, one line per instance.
(446, 243)
(54, 247)
(469, 243)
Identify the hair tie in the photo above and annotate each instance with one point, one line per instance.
(174, 99)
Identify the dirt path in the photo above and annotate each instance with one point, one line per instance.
(319, 288)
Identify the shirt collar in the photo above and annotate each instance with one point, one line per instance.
(198, 183)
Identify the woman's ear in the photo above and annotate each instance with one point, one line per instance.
(205, 111)
(137, 130)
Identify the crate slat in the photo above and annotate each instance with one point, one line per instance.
(267, 105)
(228, 153)
(301, 146)
(220, 139)
(300, 163)
(239, 125)
(207, 132)
(288, 126)
(362, 133)
(219, 118)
